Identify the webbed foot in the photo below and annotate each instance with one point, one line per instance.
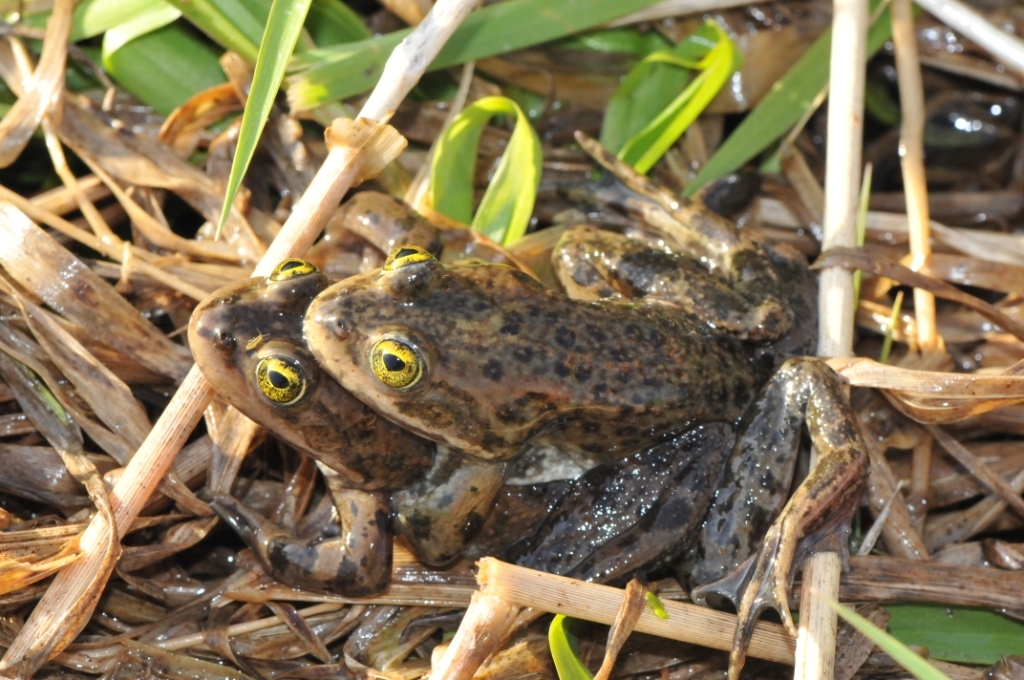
(762, 581)
(815, 519)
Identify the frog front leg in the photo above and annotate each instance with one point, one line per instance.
(445, 510)
(355, 563)
(817, 516)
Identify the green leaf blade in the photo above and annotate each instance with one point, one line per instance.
(564, 647)
(903, 655)
(719, 59)
(229, 23)
(957, 634)
(643, 94)
(284, 25)
(335, 73)
(507, 205)
(165, 67)
(784, 105)
(137, 26)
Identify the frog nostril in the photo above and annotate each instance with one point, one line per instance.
(225, 339)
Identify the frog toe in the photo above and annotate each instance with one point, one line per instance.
(760, 582)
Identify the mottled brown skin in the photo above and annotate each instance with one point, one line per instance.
(242, 323)
(645, 382)
(595, 264)
(508, 364)
(388, 223)
(375, 470)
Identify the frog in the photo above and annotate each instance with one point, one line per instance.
(484, 359)
(639, 374)
(247, 340)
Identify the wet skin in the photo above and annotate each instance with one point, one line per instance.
(644, 382)
(374, 469)
(484, 359)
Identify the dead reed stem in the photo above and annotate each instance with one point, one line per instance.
(599, 603)
(908, 70)
(816, 644)
(1005, 47)
(50, 628)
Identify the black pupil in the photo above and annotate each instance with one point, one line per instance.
(278, 379)
(290, 265)
(393, 363)
(405, 252)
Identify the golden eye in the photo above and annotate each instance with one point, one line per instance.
(289, 269)
(406, 255)
(396, 363)
(280, 380)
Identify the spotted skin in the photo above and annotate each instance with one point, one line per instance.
(376, 471)
(657, 355)
(252, 319)
(507, 365)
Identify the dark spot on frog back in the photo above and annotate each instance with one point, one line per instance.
(566, 337)
(523, 354)
(511, 324)
(493, 370)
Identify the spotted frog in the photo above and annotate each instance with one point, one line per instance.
(667, 375)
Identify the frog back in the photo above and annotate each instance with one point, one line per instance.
(484, 359)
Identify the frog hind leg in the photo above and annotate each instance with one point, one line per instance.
(817, 516)
(632, 515)
(356, 563)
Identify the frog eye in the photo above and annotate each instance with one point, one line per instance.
(289, 269)
(280, 380)
(406, 255)
(396, 364)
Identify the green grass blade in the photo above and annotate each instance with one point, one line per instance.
(862, 227)
(136, 27)
(334, 73)
(783, 106)
(648, 89)
(283, 27)
(957, 634)
(894, 318)
(165, 67)
(718, 64)
(618, 41)
(94, 17)
(913, 663)
(507, 205)
(229, 23)
(331, 22)
(565, 650)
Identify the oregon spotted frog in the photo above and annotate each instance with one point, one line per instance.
(644, 389)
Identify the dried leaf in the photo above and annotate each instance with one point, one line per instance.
(68, 286)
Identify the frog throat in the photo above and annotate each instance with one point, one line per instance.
(280, 380)
(396, 363)
(291, 268)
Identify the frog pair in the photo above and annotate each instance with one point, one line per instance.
(668, 379)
